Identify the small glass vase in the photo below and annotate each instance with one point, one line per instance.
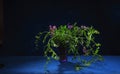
(62, 54)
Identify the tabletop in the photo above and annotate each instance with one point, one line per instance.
(35, 65)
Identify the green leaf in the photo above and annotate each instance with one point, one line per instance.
(56, 58)
(37, 37)
(48, 58)
(96, 51)
(98, 44)
(46, 36)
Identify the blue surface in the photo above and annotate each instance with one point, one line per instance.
(35, 65)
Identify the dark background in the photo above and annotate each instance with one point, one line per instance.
(23, 19)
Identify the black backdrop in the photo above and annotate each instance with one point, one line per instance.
(23, 19)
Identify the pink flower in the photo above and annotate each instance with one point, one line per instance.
(52, 29)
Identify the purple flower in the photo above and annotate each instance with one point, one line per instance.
(69, 26)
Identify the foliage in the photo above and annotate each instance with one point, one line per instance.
(71, 37)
